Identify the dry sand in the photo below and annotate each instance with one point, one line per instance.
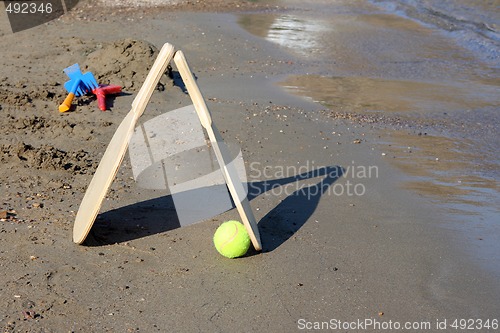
(382, 255)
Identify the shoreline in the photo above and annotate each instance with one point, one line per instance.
(380, 255)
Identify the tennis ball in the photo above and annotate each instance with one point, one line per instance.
(231, 239)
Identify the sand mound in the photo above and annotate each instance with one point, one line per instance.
(124, 62)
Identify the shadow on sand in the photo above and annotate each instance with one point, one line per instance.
(276, 227)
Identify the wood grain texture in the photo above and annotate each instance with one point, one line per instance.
(115, 152)
(222, 153)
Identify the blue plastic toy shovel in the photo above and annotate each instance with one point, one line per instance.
(78, 85)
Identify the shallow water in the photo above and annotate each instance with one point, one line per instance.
(433, 64)
(366, 94)
(473, 24)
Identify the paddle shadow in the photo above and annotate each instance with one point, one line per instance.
(134, 221)
(158, 215)
(301, 201)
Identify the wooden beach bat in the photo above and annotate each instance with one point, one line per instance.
(221, 151)
(115, 152)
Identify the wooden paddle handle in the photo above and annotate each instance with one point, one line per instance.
(193, 90)
(159, 67)
(66, 105)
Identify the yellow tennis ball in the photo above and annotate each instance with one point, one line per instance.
(231, 239)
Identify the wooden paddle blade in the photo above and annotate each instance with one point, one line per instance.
(103, 177)
(235, 186)
(149, 85)
(115, 152)
(222, 153)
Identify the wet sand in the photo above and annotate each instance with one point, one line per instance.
(383, 253)
(432, 99)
